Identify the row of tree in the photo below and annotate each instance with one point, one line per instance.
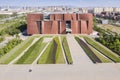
(108, 38)
(11, 44)
(110, 41)
(16, 28)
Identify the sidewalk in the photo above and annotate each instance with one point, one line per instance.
(77, 53)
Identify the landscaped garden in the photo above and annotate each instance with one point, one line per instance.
(31, 54)
(66, 50)
(105, 51)
(49, 50)
(88, 51)
(12, 54)
(53, 54)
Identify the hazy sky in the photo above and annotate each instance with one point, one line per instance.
(80, 3)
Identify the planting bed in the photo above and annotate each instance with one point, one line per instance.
(32, 53)
(88, 51)
(105, 51)
(66, 50)
(53, 54)
(16, 51)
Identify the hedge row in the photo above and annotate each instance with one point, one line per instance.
(11, 44)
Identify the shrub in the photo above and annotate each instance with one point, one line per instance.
(11, 44)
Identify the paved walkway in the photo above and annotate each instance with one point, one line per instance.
(60, 72)
(77, 53)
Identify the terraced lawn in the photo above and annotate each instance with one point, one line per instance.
(53, 54)
(66, 50)
(105, 51)
(47, 56)
(16, 51)
(32, 53)
(88, 51)
(97, 53)
(100, 56)
(59, 54)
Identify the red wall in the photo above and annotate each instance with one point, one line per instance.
(54, 29)
(75, 25)
(46, 27)
(58, 16)
(80, 23)
(83, 27)
(67, 17)
(74, 16)
(32, 26)
(89, 19)
(62, 27)
(52, 16)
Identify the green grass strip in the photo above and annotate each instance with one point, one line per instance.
(46, 57)
(100, 56)
(32, 53)
(108, 53)
(88, 51)
(59, 54)
(16, 51)
(66, 50)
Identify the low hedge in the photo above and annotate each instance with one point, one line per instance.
(16, 51)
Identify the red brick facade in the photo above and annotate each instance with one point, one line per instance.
(80, 23)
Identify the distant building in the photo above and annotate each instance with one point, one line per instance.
(84, 10)
(58, 23)
(108, 9)
(98, 10)
(116, 9)
(104, 21)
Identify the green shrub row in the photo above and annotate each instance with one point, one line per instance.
(11, 44)
(12, 54)
(110, 41)
(105, 51)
